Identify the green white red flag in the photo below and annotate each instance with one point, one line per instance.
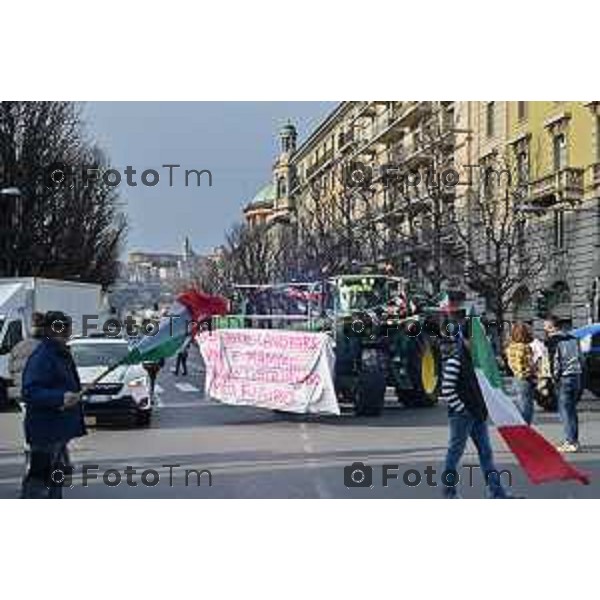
(537, 456)
(182, 320)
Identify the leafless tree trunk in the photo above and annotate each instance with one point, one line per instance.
(68, 230)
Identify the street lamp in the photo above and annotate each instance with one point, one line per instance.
(12, 192)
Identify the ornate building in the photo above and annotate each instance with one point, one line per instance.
(551, 153)
(344, 177)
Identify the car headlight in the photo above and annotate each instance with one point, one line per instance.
(136, 383)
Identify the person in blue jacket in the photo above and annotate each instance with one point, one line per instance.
(53, 414)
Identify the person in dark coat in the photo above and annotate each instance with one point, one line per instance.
(182, 356)
(53, 413)
(467, 416)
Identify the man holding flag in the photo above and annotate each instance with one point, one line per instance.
(472, 387)
(467, 416)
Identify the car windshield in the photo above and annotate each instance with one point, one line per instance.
(362, 294)
(98, 355)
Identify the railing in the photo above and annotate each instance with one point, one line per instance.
(565, 185)
(326, 157)
(596, 175)
(345, 138)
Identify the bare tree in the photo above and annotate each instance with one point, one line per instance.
(335, 226)
(69, 228)
(249, 255)
(420, 184)
(500, 242)
(394, 213)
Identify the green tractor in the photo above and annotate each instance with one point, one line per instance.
(380, 342)
(380, 339)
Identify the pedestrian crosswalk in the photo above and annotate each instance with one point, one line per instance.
(186, 387)
(166, 394)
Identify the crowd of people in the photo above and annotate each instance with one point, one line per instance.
(549, 372)
(46, 382)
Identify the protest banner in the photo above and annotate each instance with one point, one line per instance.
(276, 369)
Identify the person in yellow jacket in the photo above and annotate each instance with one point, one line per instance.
(519, 356)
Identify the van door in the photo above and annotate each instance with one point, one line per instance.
(12, 334)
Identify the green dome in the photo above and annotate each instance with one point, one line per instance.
(267, 193)
(265, 196)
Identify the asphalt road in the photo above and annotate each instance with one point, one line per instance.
(253, 453)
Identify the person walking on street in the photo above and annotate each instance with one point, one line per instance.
(467, 417)
(20, 354)
(153, 369)
(566, 368)
(544, 389)
(52, 393)
(182, 356)
(519, 356)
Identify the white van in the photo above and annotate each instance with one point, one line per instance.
(20, 297)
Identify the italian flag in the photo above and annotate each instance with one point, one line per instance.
(537, 456)
(182, 320)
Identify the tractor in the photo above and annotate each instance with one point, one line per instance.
(381, 339)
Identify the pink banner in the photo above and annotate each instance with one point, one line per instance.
(270, 368)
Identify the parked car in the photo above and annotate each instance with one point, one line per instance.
(589, 342)
(123, 396)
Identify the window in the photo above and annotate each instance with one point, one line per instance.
(98, 355)
(522, 167)
(560, 152)
(488, 183)
(489, 118)
(559, 229)
(281, 187)
(521, 110)
(521, 239)
(12, 337)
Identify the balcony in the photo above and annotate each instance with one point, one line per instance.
(563, 186)
(367, 110)
(322, 160)
(345, 140)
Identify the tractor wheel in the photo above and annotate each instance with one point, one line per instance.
(430, 374)
(369, 394)
(424, 373)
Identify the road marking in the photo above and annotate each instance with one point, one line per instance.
(186, 387)
(313, 463)
(201, 402)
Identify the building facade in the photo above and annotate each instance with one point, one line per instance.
(345, 191)
(548, 154)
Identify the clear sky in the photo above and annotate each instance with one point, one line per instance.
(236, 141)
